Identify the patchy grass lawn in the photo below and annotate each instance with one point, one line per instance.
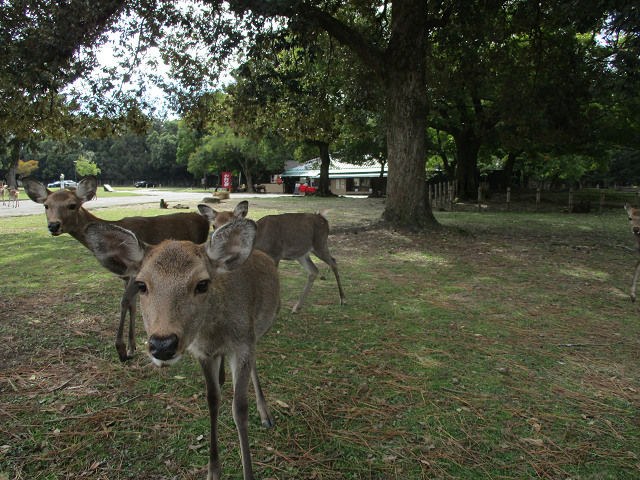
(501, 346)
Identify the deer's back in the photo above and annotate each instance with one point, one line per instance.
(176, 226)
(291, 235)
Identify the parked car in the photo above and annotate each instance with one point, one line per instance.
(67, 184)
(144, 183)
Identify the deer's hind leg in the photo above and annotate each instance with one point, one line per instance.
(324, 255)
(263, 409)
(312, 270)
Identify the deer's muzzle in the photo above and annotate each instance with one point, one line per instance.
(54, 228)
(163, 348)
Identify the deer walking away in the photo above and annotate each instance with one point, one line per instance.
(214, 300)
(65, 214)
(289, 236)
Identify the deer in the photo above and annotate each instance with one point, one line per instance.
(288, 236)
(214, 300)
(65, 214)
(13, 197)
(3, 191)
(634, 218)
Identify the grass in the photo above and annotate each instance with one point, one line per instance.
(501, 346)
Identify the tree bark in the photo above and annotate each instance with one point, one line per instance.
(467, 148)
(407, 204)
(16, 148)
(324, 187)
(508, 168)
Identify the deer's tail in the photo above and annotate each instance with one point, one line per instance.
(323, 213)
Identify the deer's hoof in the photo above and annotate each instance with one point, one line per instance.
(633, 298)
(122, 352)
(268, 423)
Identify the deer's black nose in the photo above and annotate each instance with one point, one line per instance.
(163, 348)
(53, 226)
(636, 230)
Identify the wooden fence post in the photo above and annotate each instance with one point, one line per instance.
(601, 200)
(451, 195)
(537, 198)
(479, 196)
(508, 197)
(570, 200)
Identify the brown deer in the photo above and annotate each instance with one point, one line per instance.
(65, 214)
(217, 219)
(634, 218)
(13, 197)
(214, 300)
(289, 236)
(3, 191)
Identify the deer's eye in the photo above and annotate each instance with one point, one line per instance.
(202, 286)
(142, 287)
(46, 207)
(72, 206)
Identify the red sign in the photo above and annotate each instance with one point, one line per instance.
(226, 179)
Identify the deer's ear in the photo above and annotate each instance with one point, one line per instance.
(207, 212)
(231, 244)
(87, 187)
(241, 209)
(116, 248)
(35, 190)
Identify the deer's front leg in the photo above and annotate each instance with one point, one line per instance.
(127, 304)
(635, 282)
(240, 364)
(211, 369)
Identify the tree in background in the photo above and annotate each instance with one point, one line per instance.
(516, 76)
(26, 167)
(294, 87)
(85, 165)
(40, 56)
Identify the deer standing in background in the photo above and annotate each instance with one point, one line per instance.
(65, 214)
(634, 218)
(289, 236)
(3, 191)
(13, 197)
(214, 300)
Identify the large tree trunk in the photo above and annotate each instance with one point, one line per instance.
(467, 148)
(324, 188)
(15, 148)
(407, 204)
(507, 171)
(247, 175)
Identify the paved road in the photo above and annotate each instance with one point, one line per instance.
(28, 207)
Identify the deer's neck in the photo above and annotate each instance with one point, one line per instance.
(84, 219)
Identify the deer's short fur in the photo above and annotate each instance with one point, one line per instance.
(65, 214)
(289, 236)
(214, 300)
(634, 219)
